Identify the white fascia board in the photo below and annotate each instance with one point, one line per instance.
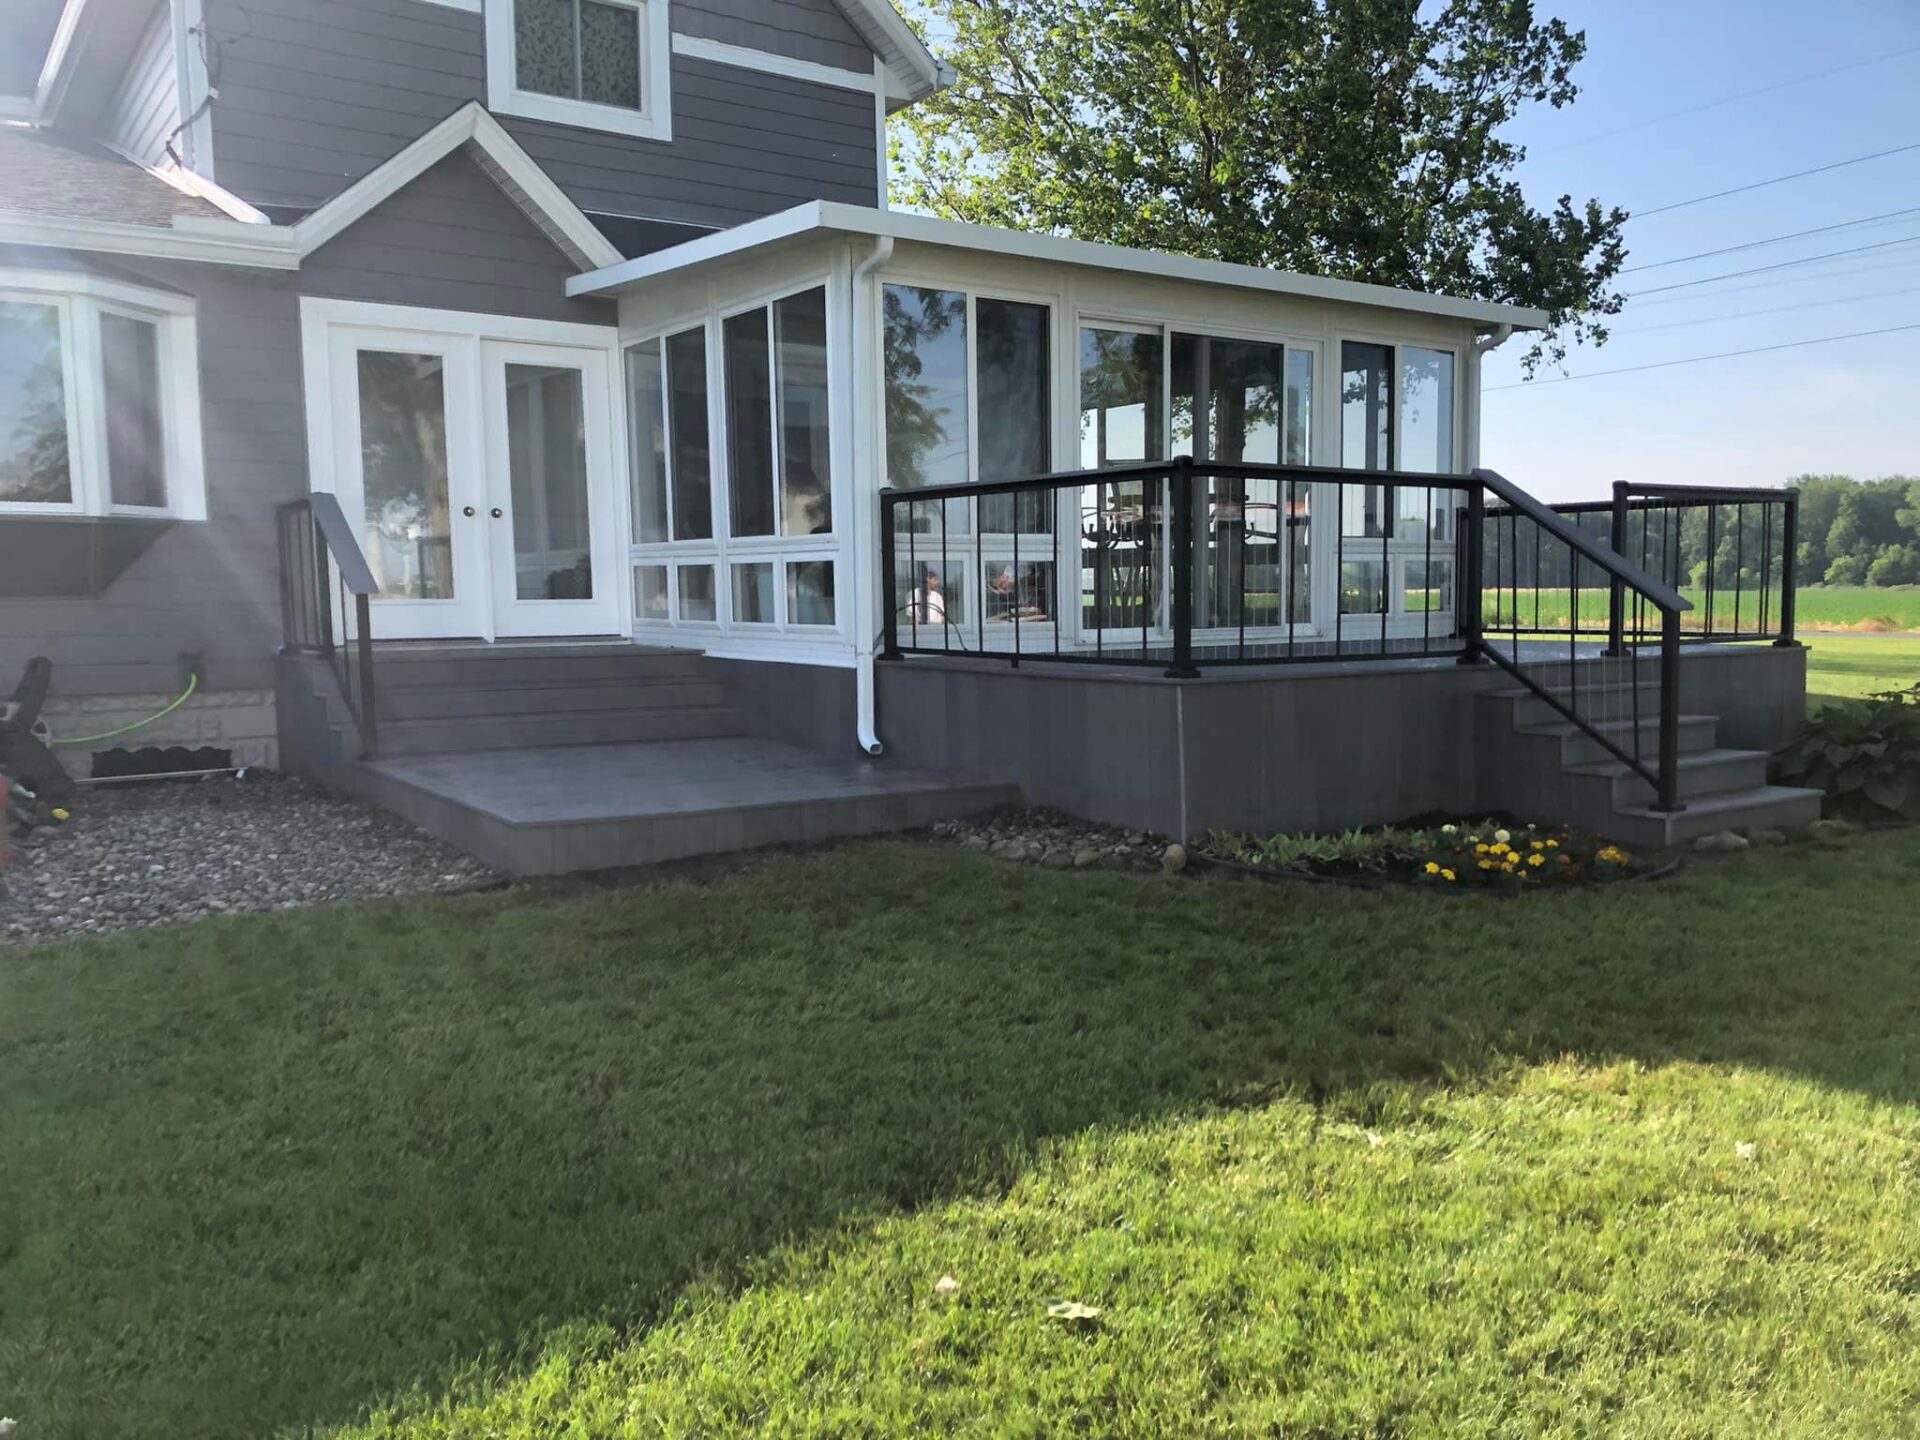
(54, 71)
(746, 58)
(211, 242)
(470, 124)
(193, 183)
(1056, 249)
(895, 41)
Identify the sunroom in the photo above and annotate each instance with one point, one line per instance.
(785, 378)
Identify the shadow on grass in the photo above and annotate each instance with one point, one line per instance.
(267, 1173)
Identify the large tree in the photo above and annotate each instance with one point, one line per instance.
(1351, 138)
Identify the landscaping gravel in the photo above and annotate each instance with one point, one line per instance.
(1060, 842)
(160, 854)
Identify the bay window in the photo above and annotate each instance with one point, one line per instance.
(99, 399)
(600, 64)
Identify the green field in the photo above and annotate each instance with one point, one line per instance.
(693, 1160)
(1819, 607)
(1850, 666)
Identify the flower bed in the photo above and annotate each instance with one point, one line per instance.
(1469, 855)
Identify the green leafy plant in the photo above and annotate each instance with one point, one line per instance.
(1865, 755)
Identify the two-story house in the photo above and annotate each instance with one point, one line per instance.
(462, 325)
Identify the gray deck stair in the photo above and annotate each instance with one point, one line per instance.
(540, 759)
(1542, 765)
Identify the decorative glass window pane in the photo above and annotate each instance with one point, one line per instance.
(1012, 361)
(647, 442)
(925, 354)
(1426, 410)
(696, 592)
(34, 467)
(136, 438)
(810, 592)
(406, 526)
(749, 424)
(610, 54)
(687, 421)
(650, 593)
(543, 46)
(806, 462)
(753, 594)
(547, 472)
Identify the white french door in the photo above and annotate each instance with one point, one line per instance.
(478, 474)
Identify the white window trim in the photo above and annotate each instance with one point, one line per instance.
(653, 121)
(81, 300)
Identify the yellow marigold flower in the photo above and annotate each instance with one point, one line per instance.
(1486, 864)
(1433, 868)
(1449, 875)
(1553, 844)
(1501, 849)
(1536, 860)
(1538, 846)
(1479, 849)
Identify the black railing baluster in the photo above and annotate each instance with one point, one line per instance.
(1789, 565)
(889, 567)
(1180, 499)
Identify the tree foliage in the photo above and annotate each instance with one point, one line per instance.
(1859, 532)
(1358, 139)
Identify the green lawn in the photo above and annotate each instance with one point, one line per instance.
(690, 1160)
(1846, 667)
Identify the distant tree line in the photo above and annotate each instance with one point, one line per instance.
(1859, 532)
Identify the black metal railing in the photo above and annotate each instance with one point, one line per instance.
(321, 564)
(1176, 565)
(1188, 563)
(1731, 552)
(1534, 569)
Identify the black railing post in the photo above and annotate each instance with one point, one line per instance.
(1789, 566)
(890, 610)
(363, 643)
(1617, 591)
(1180, 481)
(1668, 797)
(1472, 602)
(321, 586)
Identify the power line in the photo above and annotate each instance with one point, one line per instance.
(1697, 359)
(1772, 240)
(1844, 269)
(1776, 180)
(1661, 119)
(1781, 265)
(1771, 310)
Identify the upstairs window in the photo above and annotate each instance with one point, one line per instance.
(99, 399)
(599, 64)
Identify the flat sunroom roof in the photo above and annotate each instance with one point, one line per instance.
(829, 216)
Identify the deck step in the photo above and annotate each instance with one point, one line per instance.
(1577, 747)
(1773, 807)
(1704, 772)
(507, 732)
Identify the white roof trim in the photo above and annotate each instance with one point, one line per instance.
(194, 183)
(828, 215)
(896, 42)
(54, 73)
(213, 242)
(515, 171)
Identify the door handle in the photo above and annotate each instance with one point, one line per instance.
(496, 512)
(467, 511)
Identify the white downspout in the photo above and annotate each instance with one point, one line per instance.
(866, 486)
(1482, 344)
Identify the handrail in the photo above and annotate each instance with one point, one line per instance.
(1157, 470)
(307, 609)
(1663, 595)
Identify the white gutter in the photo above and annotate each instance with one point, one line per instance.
(866, 475)
(1482, 345)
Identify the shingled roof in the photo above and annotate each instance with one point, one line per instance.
(43, 173)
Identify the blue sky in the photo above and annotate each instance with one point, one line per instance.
(1851, 407)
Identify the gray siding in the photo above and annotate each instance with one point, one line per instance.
(311, 100)
(146, 105)
(804, 29)
(451, 240)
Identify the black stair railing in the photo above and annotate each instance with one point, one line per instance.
(320, 567)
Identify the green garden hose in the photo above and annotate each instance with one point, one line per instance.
(193, 683)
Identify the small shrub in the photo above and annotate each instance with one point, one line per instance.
(1865, 755)
(1471, 854)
